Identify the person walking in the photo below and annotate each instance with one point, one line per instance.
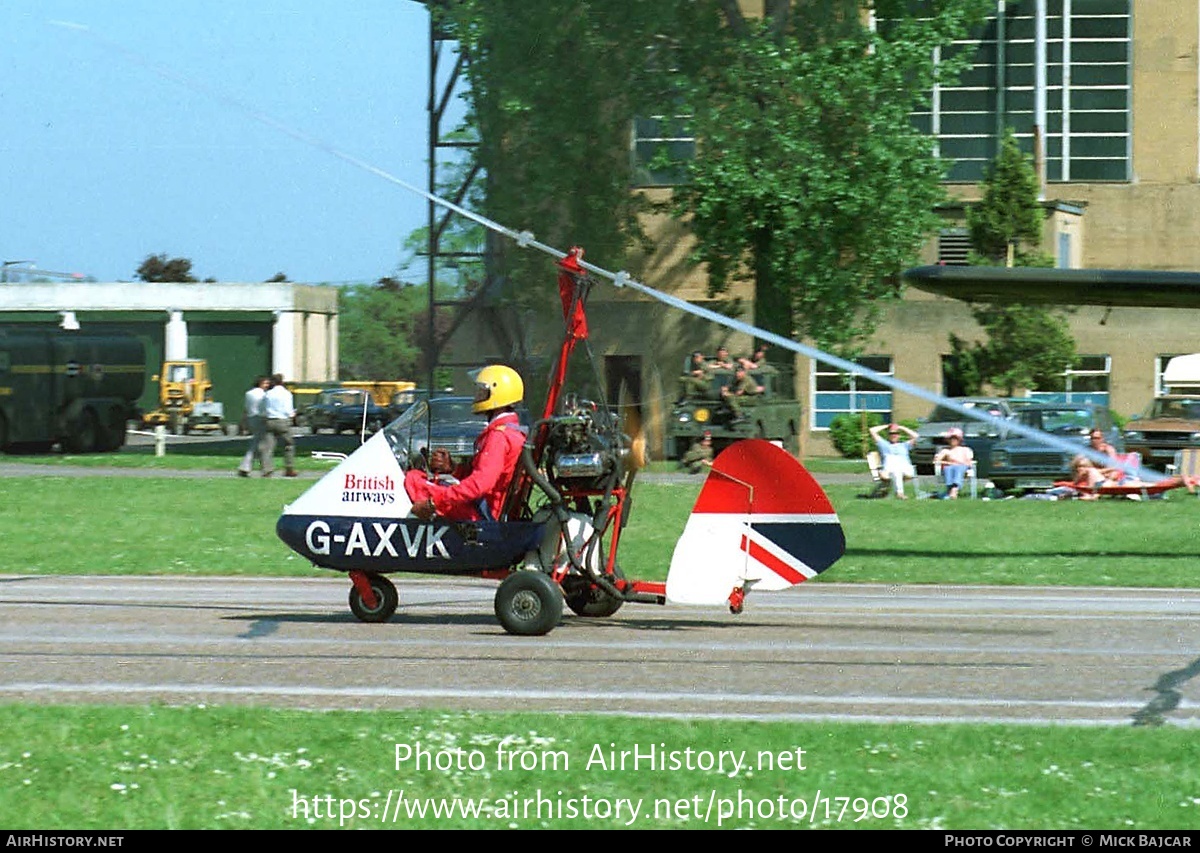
(255, 412)
(280, 415)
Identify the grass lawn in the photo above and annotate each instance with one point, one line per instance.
(233, 768)
(225, 525)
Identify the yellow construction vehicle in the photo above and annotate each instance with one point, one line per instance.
(381, 391)
(185, 402)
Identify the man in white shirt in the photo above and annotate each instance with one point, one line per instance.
(256, 421)
(280, 413)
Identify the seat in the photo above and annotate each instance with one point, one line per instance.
(1186, 464)
(971, 480)
(882, 485)
(875, 466)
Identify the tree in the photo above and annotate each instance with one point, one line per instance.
(381, 329)
(1027, 346)
(810, 177)
(554, 86)
(162, 268)
(1009, 213)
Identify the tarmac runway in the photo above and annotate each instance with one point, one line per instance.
(821, 651)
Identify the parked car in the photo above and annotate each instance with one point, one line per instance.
(341, 410)
(1017, 462)
(1171, 423)
(401, 400)
(977, 435)
(443, 423)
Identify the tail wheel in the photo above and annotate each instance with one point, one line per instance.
(529, 604)
(386, 601)
(587, 599)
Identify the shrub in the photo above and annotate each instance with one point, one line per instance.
(849, 435)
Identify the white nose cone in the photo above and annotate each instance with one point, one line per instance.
(368, 482)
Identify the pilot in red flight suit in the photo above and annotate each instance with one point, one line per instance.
(484, 483)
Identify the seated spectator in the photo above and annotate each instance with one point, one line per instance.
(1089, 474)
(740, 392)
(699, 455)
(697, 382)
(955, 459)
(722, 361)
(894, 453)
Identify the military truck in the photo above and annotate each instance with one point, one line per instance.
(1172, 421)
(66, 387)
(774, 414)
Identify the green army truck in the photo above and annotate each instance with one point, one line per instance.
(774, 414)
(70, 388)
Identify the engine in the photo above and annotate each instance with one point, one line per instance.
(583, 448)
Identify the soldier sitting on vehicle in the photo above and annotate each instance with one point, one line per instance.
(699, 455)
(722, 361)
(697, 382)
(756, 359)
(740, 392)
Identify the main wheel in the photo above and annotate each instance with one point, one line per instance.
(112, 434)
(87, 429)
(586, 599)
(386, 600)
(528, 603)
(3, 434)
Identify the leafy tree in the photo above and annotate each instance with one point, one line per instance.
(162, 268)
(1009, 214)
(810, 177)
(850, 433)
(278, 277)
(961, 369)
(1027, 346)
(381, 330)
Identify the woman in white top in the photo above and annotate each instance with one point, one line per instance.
(897, 464)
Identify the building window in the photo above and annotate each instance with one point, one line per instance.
(1087, 93)
(835, 392)
(662, 145)
(1086, 383)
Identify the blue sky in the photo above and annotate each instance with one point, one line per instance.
(103, 161)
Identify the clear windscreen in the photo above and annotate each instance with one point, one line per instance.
(440, 423)
(408, 435)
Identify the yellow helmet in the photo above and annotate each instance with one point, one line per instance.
(497, 386)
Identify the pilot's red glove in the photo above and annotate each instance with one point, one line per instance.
(424, 510)
(440, 462)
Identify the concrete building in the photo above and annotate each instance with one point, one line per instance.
(243, 330)
(1116, 88)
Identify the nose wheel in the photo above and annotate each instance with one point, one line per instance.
(373, 598)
